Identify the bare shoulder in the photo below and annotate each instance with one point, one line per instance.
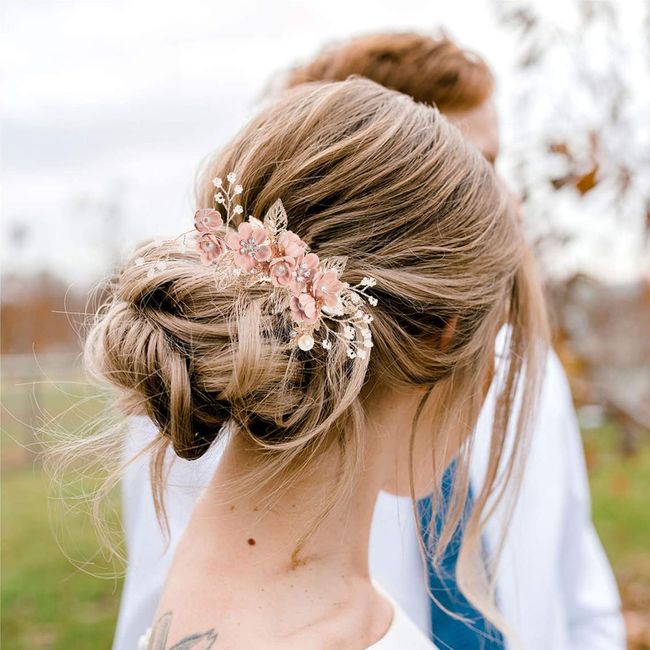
(275, 623)
(207, 623)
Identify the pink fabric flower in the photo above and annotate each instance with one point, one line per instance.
(326, 288)
(211, 247)
(207, 219)
(281, 271)
(303, 308)
(249, 246)
(291, 244)
(306, 268)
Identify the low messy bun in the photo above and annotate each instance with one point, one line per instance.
(139, 345)
(195, 359)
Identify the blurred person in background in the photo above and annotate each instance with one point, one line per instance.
(554, 586)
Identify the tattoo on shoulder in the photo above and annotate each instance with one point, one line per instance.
(160, 631)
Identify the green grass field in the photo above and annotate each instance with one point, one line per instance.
(48, 603)
(620, 489)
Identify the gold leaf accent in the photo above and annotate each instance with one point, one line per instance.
(335, 263)
(276, 219)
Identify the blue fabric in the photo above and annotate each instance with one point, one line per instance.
(450, 633)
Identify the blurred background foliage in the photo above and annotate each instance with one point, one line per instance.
(579, 159)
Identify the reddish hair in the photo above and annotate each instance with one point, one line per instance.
(430, 70)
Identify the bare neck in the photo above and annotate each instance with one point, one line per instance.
(236, 525)
(286, 538)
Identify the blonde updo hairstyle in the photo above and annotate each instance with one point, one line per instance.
(367, 173)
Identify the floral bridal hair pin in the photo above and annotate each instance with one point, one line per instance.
(322, 307)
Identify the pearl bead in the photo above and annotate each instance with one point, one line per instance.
(306, 342)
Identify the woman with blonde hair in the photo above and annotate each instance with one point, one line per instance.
(332, 323)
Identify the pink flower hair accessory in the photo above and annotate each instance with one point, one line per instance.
(304, 309)
(281, 270)
(210, 247)
(305, 270)
(207, 220)
(326, 288)
(290, 244)
(249, 244)
(318, 303)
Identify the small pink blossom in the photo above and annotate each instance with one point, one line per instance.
(303, 308)
(211, 247)
(290, 244)
(249, 246)
(306, 268)
(207, 219)
(281, 270)
(326, 288)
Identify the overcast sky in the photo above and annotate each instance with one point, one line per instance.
(120, 100)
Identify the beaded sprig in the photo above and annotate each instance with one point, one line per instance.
(321, 305)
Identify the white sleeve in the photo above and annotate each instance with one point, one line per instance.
(149, 552)
(589, 589)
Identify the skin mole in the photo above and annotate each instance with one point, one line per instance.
(251, 541)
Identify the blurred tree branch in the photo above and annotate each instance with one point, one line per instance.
(581, 121)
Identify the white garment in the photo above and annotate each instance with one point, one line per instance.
(403, 633)
(555, 587)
